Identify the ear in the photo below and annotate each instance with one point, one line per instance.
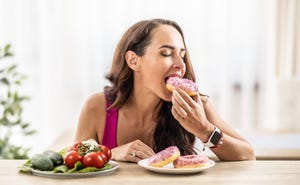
(132, 60)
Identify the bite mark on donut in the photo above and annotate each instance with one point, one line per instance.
(185, 84)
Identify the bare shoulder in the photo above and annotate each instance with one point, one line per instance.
(95, 103)
(92, 118)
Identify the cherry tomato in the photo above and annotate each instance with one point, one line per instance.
(71, 158)
(93, 159)
(75, 146)
(104, 157)
(106, 151)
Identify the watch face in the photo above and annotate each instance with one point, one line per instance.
(215, 138)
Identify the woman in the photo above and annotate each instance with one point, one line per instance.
(137, 116)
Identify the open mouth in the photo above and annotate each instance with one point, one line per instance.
(166, 79)
(172, 76)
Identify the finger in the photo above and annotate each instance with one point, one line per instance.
(133, 158)
(142, 155)
(132, 155)
(182, 96)
(140, 146)
(145, 148)
(179, 110)
(198, 98)
(137, 155)
(179, 99)
(176, 115)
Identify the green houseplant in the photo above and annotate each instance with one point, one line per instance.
(11, 108)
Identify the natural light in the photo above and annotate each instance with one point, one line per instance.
(245, 54)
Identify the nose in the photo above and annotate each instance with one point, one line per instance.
(178, 62)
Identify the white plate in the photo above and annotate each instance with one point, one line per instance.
(50, 174)
(169, 169)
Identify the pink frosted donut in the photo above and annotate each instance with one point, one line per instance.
(191, 161)
(164, 157)
(185, 84)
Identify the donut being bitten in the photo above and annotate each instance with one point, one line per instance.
(187, 85)
(191, 161)
(164, 157)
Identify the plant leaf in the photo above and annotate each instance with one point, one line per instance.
(11, 68)
(26, 167)
(6, 51)
(4, 81)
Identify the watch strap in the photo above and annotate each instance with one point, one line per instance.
(215, 139)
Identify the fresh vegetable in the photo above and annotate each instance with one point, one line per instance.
(78, 147)
(94, 159)
(47, 160)
(55, 157)
(71, 158)
(82, 156)
(106, 151)
(89, 152)
(103, 156)
(78, 168)
(42, 162)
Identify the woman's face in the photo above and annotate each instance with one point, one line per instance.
(163, 58)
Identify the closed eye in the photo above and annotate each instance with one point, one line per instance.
(166, 55)
(167, 51)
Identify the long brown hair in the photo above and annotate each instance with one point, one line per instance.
(168, 131)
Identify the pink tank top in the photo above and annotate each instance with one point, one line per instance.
(110, 130)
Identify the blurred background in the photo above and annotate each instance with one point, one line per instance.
(246, 54)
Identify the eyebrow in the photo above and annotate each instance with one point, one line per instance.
(170, 47)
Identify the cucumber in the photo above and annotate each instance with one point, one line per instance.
(42, 162)
(55, 157)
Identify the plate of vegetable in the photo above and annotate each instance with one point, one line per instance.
(82, 159)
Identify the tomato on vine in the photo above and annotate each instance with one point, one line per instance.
(93, 159)
(89, 153)
(106, 151)
(71, 158)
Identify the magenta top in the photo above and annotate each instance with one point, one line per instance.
(110, 130)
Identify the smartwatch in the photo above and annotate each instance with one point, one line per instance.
(215, 138)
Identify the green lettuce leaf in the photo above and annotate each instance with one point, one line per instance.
(93, 169)
(78, 168)
(61, 169)
(26, 167)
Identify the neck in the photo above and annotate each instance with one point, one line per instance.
(143, 105)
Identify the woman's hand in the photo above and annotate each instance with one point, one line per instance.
(133, 152)
(190, 114)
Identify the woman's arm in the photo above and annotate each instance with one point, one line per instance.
(199, 117)
(234, 146)
(92, 119)
(91, 126)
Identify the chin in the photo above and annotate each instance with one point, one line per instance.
(167, 97)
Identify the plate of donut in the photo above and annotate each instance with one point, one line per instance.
(169, 168)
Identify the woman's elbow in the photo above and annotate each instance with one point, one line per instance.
(248, 154)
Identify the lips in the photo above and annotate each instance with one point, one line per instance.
(172, 75)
